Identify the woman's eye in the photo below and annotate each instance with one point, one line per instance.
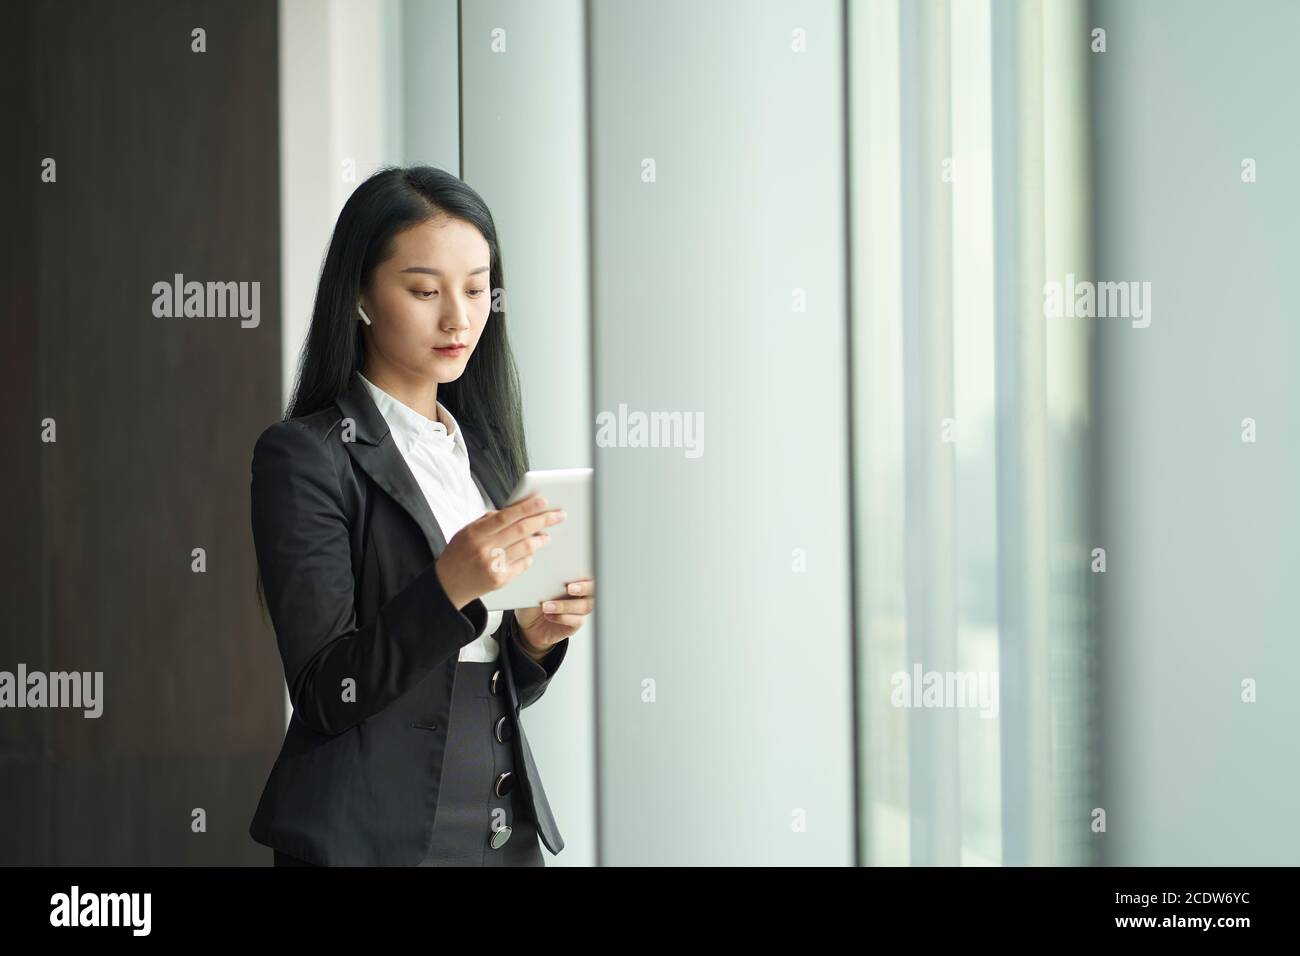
(477, 292)
(425, 295)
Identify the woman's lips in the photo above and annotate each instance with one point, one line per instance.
(451, 352)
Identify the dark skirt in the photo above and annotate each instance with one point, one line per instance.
(483, 817)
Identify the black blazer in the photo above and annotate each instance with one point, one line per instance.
(346, 544)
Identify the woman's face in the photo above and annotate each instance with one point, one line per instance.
(434, 291)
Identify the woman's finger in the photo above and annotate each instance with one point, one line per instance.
(585, 587)
(575, 606)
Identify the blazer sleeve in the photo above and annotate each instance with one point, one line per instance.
(531, 677)
(338, 674)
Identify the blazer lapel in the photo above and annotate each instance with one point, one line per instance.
(376, 452)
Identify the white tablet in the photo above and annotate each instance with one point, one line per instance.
(567, 556)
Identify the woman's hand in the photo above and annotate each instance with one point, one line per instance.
(545, 626)
(493, 549)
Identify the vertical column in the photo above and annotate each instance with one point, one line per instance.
(725, 665)
(1018, 230)
(926, 216)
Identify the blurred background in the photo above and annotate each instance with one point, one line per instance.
(827, 232)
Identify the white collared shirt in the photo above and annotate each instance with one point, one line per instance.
(440, 463)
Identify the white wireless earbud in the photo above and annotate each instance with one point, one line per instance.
(361, 313)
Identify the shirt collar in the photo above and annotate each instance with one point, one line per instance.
(411, 429)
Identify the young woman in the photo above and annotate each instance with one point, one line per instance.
(378, 522)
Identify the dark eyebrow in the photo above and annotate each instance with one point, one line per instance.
(436, 272)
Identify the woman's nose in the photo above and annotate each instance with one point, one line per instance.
(459, 319)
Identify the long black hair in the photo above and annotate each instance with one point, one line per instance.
(486, 397)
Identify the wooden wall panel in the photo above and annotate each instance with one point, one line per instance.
(166, 163)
